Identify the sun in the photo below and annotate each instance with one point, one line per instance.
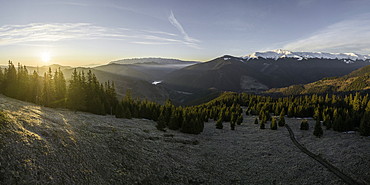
(45, 57)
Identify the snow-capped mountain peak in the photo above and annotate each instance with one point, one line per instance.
(279, 53)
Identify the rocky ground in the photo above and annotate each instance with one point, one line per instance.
(54, 146)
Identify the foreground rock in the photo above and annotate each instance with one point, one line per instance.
(43, 145)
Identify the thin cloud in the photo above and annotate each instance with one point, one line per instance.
(350, 35)
(52, 32)
(190, 41)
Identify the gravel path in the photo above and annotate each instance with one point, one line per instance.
(43, 145)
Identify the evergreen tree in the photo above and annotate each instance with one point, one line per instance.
(262, 125)
(128, 115)
(273, 124)
(240, 120)
(281, 121)
(327, 122)
(76, 96)
(119, 111)
(365, 125)
(161, 124)
(256, 121)
(232, 125)
(219, 123)
(318, 130)
(173, 124)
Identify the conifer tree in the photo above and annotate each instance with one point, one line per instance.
(76, 93)
(262, 124)
(161, 123)
(127, 113)
(219, 123)
(119, 111)
(365, 125)
(240, 120)
(318, 130)
(327, 122)
(281, 121)
(173, 124)
(232, 125)
(273, 124)
(256, 121)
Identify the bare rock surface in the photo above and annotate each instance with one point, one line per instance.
(55, 146)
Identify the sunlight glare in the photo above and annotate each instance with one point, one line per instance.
(45, 57)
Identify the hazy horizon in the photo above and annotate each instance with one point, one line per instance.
(41, 32)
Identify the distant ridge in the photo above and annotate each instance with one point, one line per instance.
(279, 53)
(151, 60)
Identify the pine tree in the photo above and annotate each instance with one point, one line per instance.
(127, 113)
(240, 120)
(281, 121)
(318, 130)
(219, 123)
(273, 124)
(173, 124)
(161, 124)
(262, 125)
(327, 122)
(119, 111)
(232, 125)
(365, 125)
(256, 121)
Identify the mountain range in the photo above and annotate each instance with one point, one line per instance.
(189, 81)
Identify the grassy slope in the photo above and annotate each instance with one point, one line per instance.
(355, 81)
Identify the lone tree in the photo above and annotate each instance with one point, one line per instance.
(273, 124)
(256, 121)
(318, 130)
(262, 124)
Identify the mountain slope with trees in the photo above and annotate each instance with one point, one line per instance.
(357, 80)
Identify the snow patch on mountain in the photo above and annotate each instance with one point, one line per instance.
(279, 53)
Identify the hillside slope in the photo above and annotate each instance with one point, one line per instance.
(229, 73)
(41, 145)
(356, 81)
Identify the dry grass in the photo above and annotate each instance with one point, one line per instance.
(43, 145)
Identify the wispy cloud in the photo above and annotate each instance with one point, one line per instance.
(350, 35)
(52, 32)
(190, 41)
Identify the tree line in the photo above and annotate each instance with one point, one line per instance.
(84, 92)
(340, 113)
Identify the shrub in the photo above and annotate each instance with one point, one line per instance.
(304, 125)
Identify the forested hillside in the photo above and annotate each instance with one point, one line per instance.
(356, 81)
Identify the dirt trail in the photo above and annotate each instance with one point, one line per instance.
(332, 168)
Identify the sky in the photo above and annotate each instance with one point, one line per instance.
(95, 32)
